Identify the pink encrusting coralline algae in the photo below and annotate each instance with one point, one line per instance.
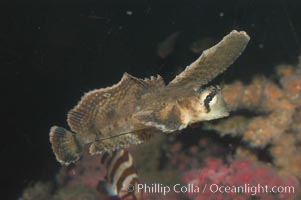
(244, 178)
(88, 172)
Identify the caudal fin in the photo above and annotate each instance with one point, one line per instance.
(64, 145)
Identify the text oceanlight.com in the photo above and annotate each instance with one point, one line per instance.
(212, 188)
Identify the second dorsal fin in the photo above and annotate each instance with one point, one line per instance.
(82, 116)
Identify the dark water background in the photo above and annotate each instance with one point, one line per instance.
(51, 52)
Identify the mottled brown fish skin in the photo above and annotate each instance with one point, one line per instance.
(133, 110)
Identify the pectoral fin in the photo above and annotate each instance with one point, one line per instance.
(168, 120)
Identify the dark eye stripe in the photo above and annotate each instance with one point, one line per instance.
(208, 99)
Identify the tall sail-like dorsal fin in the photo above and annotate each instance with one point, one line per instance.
(211, 63)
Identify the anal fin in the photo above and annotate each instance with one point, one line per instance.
(118, 142)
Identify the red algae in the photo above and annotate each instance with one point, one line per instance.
(88, 172)
(253, 179)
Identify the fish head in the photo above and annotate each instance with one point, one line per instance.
(205, 104)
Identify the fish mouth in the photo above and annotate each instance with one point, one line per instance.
(226, 111)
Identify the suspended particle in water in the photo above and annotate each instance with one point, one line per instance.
(129, 12)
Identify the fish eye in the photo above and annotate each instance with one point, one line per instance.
(208, 99)
(204, 94)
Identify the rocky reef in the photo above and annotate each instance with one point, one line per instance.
(239, 179)
(273, 117)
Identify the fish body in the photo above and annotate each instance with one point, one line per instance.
(133, 110)
(121, 180)
(167, 46)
